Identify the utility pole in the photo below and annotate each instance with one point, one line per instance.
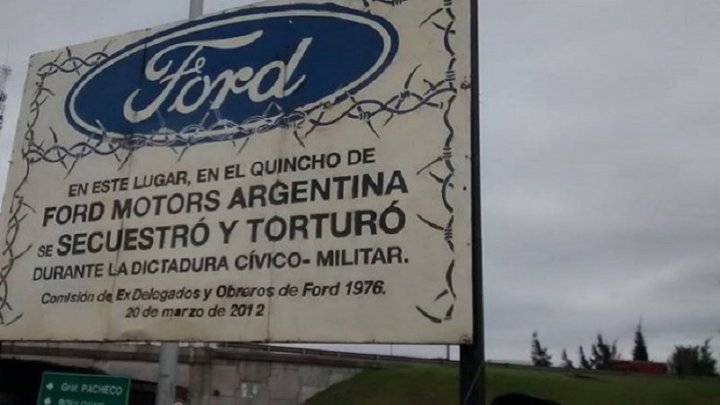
(167, 370)
(4, 74)
(196, 8)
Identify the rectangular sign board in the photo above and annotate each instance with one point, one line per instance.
(287, 172)
(77, 389)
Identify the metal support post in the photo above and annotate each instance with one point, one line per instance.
(167, 372)
(196, 8)
(472, 356)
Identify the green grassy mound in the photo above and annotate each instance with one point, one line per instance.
(436, 385)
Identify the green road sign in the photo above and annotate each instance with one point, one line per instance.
(83, 389)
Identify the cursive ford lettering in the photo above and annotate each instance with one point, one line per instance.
(245, 79)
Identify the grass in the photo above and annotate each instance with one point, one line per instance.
(437, 385)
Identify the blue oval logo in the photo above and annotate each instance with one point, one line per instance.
(231, 75)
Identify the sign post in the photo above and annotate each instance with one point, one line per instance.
(167, 370)
(472, 356)
(75, 389)
(167, 374)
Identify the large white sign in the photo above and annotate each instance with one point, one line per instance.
(282, 172)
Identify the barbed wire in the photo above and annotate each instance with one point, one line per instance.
(443, 19)
(19, 209)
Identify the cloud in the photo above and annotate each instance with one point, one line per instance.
(600, 169)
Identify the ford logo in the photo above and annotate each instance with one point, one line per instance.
(230, 75)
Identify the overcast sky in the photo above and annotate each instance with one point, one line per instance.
(601, 160)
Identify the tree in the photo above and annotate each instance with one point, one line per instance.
(640, 350)
(538, 354)
(567, 363)
(683, 361)
(584, 363)
(603, 354)
(706, 359)
(693, 360)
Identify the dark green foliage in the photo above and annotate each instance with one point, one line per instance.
(566, 362)
(538, 354)
(603, 354)
(707, 360)
(584, 363)
(693, 360)
(640, 352)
